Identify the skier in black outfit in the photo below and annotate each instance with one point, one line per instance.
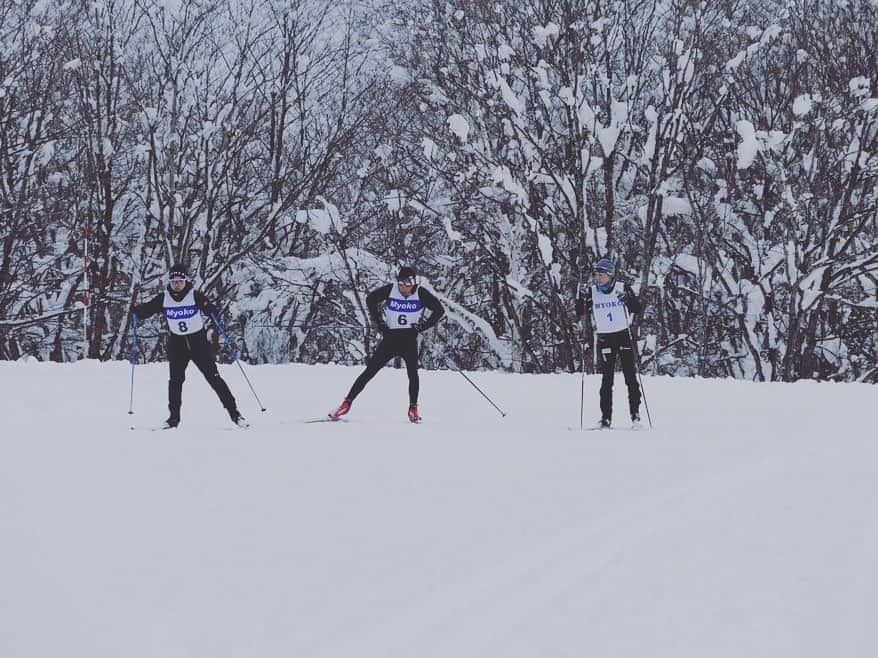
(182, 306)
(607, 300)
(397, 310)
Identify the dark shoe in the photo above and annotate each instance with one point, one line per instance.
(635, 421)
(413, 413)
(343, 408)
(605, 423)
(238, 419)
(171, 423)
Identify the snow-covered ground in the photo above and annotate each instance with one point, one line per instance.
(744, 525)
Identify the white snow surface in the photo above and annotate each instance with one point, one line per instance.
(458, 124)
(802, 105)
(749, 146)
(742, 525)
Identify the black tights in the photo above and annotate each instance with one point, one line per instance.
(610, 345)
(398, 342)
(195, 348)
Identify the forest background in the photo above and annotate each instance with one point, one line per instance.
(295, 153)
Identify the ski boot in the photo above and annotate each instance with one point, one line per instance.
(238, 419)
(343, 408)
(635, 421)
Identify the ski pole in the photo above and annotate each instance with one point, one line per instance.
(235, 357)
(133, 362)
(456, 369)
(582, 382)
(579, 296)
(581, 346)
(637, 367)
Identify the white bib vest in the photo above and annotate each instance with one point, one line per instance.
(183, 316)
(402, 312)
(610, 315)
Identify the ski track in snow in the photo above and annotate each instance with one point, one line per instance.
(743, 525)
(534, 580)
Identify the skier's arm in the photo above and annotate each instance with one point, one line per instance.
(435, 307)
(147, 309)
(631, 302)
(583, 301)
(204, 304)
(373, 302)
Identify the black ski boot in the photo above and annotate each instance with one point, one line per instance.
(238, 419)
(171, 422)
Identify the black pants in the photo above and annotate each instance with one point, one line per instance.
(609, 346)
(396, 342)
(195, 348)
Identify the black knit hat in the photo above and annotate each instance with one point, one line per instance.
(178, 271)
(406, 273)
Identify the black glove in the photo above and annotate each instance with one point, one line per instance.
(382, 327)
(583, 290)
(622, 296)
(416, 327)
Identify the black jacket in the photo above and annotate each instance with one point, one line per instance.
(157, 303)
(375, 303)
(583, 301)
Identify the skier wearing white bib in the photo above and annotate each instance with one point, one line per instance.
(611, 304)
(182, 306)
(397, 309)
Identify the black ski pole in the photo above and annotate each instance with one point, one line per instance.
(454, 367)
(581, 297)
(133, 362)
(636, 366)
(582, 383)
(235, 357)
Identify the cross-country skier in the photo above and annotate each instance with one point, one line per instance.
(182, 306)
(608, 299)
(397, 309)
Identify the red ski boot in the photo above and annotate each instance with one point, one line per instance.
(343, 408)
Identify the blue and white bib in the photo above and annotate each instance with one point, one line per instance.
(183, 316)
(610, 315)
(402, 312)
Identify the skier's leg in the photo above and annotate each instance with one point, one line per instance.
(626, 355)
(410, 354)
(382, 354)
(203, 358)
(178, 359)
(607, 355)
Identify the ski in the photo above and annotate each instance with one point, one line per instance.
(325, 419)
(598, 428)
(162, 428)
